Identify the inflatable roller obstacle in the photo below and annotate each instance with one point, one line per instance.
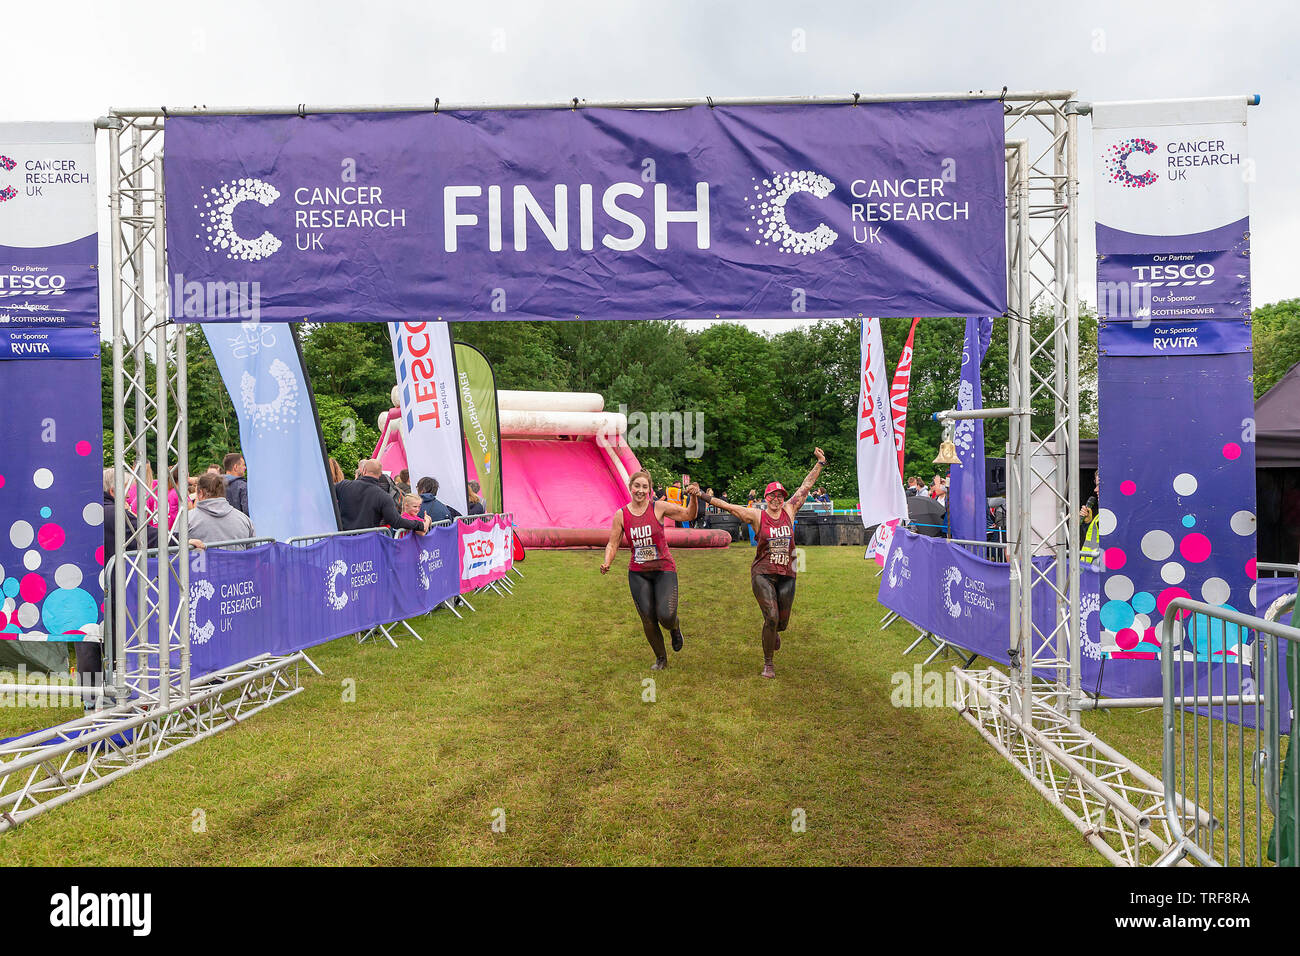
(565, 464)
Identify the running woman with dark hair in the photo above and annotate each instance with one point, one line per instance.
(651, 573)
(772, 572)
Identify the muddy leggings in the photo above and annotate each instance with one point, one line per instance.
(655, 596)
(775, 593)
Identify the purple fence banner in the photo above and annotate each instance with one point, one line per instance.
(236, 608)
(882, 209)
(278, 598)
(944, 589)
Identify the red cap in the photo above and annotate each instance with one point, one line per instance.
(776, 486)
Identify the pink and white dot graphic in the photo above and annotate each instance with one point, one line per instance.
(51, 502)
(1116, 160)
(1182, 525)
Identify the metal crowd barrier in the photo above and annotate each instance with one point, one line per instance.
(502, 584)
(1213, 818)
(303, 540)
(448, 604)
(981, 549)
(988, 550)
(1277, 570)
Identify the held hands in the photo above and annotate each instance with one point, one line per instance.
(693, 489)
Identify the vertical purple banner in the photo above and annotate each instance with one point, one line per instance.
(967, 502)
(51, 500)
(1177, 462)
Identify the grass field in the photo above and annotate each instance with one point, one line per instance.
(533, 708)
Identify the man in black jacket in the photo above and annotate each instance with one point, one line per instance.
(236, 483)
(365, 503)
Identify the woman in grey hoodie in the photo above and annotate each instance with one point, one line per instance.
(213, 518)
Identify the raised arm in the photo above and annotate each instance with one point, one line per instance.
(611, 546)
(666, 509)
(747, 515)
(800, 495)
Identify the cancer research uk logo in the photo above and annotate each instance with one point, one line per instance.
(874, 203)
(1179, 158)
(218, 217)
(768, 210)
(8, 166)
(200, 590)
(280, 414)
(318, 210)
(429, 562)
(1116, 159)
(950, 577)
(897, 569)
(971, 593)
(333, 597)
(38, 174)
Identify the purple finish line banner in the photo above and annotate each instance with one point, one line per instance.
(893, 209)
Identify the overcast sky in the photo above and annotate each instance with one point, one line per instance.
(74, 60)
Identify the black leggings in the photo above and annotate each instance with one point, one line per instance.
(655, 595)
(775, 593)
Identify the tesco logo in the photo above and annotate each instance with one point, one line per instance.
(415, 344)
(479, 549)
(41, 284)
(1201, 270)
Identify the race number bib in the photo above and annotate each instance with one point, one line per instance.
(779, 550)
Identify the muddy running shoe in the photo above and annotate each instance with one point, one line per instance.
(768, 671)
(678, 639)
(659, 664)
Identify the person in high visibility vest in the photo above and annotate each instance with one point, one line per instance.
(1091, 539)
(1091, 515)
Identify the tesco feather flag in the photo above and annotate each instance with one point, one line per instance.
(880, 485)
(426, 385)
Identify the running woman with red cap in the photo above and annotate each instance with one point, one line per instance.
(773, 570)
(652, 573)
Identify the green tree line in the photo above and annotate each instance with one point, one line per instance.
(766, 399)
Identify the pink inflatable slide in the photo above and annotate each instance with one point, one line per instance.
(564, 467)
